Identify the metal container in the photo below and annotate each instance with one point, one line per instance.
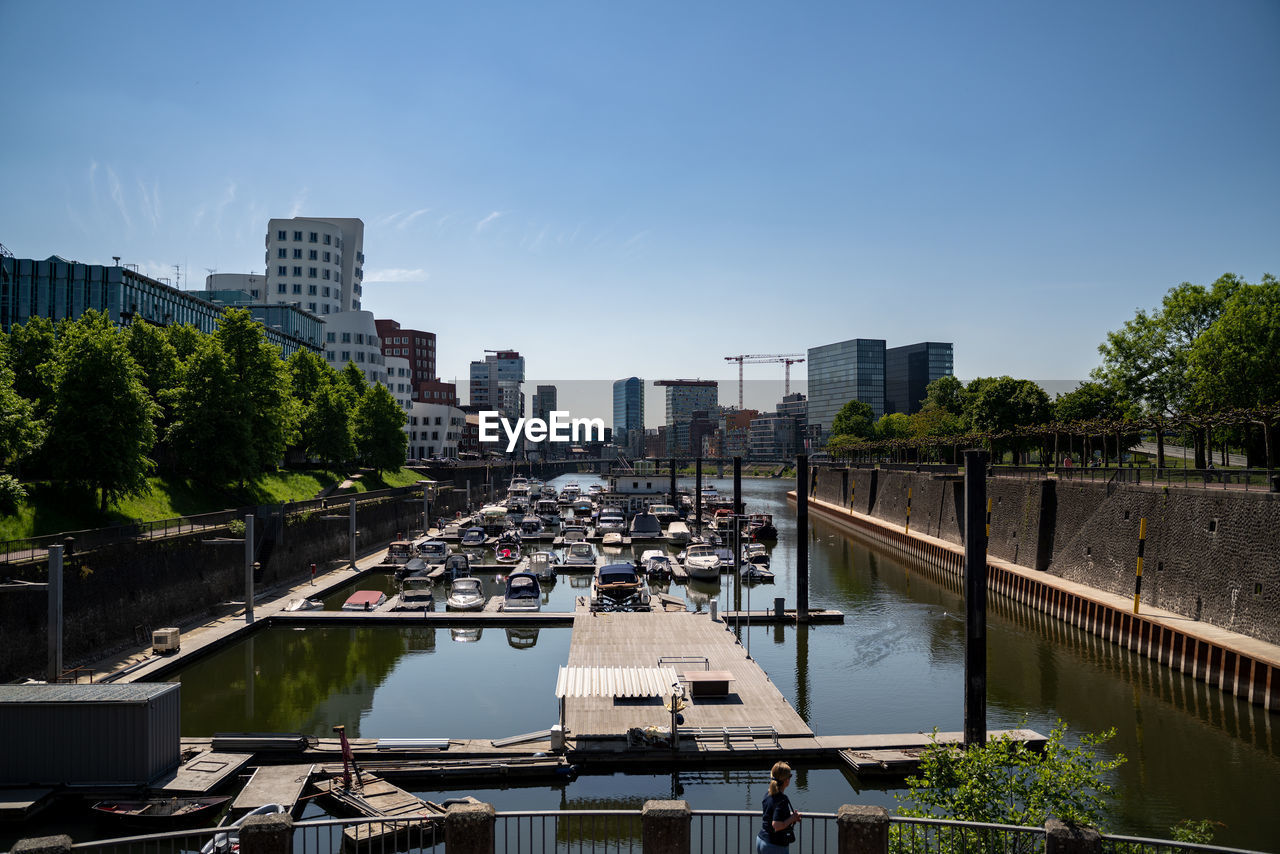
(89, 734)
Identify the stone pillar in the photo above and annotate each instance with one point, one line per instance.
(267, 834)
(665, 827)
(862, 830)
(1064, 838)
(469, 829)
(60, 844)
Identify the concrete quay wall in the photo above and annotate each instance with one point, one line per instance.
(117, 594)
(1096, 595)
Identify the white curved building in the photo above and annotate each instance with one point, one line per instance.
(316, 263)
(352, 337)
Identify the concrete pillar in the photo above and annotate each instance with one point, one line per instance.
(664, 827)
(862, 830)
(267, 834)
(1063, 838)
(60, 844)
(469, 829)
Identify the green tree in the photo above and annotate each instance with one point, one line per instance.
(308, 371)
(1006, 782)
(1004, 404)
(156, 357)
(376, 425)
(261, 395)
(1236, 361)
(208, 436)
(101, 430)
(893, 425)
(185, 338)
(356, 384)
(20, 431)
(856, 419)
(1147, 360)
(326, 428)
(31, 352)
(946, 393)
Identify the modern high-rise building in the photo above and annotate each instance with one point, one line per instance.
(495, 383)
(909, 370)
(684, 397)
(413, 344)
(317, 263)
(544, 401)
(628, 414)
(841, 372)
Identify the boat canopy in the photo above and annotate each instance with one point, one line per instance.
(522, 585)
(617, 573)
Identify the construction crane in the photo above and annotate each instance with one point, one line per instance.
(788, 359)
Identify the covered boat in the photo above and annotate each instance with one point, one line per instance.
(364, 600)
(416, 594)
(433, 551)
(522, 593)
(542, 564)
(760, 527)
(457, 566)
(645, 526)
(580, 554)
(474, 538)
(399, 551)
(618, 587)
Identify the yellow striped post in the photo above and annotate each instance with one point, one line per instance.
(1142, 547)
(907, 530)
(853, 489)
(988, 518)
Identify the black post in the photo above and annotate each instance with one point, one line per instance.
(675, 498)
(737, 533)
(802, 538)
(975, 597)
(697, 496)
(737, 486)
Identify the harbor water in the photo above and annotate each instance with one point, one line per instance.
(894, 665)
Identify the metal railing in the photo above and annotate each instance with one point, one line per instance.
(621, 831)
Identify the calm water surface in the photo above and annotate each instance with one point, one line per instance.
(895, 665)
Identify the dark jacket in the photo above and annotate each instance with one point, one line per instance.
(776, 808)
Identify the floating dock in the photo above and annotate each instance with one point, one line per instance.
(274, 784)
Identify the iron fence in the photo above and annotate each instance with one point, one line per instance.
(621, 832)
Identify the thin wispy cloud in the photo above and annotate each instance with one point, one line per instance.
(394, 274)
(117, 196)
(384, 221)
(299, 203)
(404, 223)
(488, 221)
(150, 202)
(228, 196)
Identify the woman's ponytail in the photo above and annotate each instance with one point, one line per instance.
(780, 774)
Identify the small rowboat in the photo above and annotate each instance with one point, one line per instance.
(162, 812)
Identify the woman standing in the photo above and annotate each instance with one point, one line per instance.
(778, 816)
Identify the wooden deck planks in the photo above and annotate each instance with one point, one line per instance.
(274, 784)
(639, 640)
(203, 773)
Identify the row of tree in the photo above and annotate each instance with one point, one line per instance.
(1206, 363)
(86, 402)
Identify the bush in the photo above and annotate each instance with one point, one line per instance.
(11, 494)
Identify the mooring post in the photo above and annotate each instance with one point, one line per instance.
(351, 531)
(737, 486)
(975, 598)
(675, 499)
(54, 591)
(802, 538)
(1142, 546)
(248, 568)
(737, 533)
(697, 496)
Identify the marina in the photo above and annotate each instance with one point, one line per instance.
(823, 682)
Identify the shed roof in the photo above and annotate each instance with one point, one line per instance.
(616, 681)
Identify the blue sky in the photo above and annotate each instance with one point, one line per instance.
(642, 189)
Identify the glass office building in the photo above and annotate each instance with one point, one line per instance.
(628, 413)
(684, 397)
(841, 372)
(63, 290)
(909, 370)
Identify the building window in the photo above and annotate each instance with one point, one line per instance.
(359, 355)
(297, 271)
(282, 235)
(312, 255)
(311, 272)
(282, 253)
(282, 270)
(331, 337)
(282, 288)
(359, 337)
(346, 338)
(326, 255)
(311, 289)
(329, 356)
(311, 307)
(326, 308)
(346, 355)
(327, 241)
(326, 272)
(297, 253)
(297, 235)
(326, 291)
(314, 237)
(297, 287)
(254, 293)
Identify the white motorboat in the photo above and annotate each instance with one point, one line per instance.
(580, 554)
(678, 533)
(433, 551)
(416, 594)
(304, 605)
(542, 564)
(365, 600)
(224, 842)
(465, 594)
(656, 563)
(701, 561)
(522, 593)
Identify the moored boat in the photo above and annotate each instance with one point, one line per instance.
(618, 587)
(701, 561)
(416, 594)
(304, 605)
(465, 594)
(678, 532)
(162, 812)
(364, 600)
(760, 527)
(522, 593)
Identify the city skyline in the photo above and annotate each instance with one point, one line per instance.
(1037, 172)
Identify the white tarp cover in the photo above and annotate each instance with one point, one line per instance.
(615, 681)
